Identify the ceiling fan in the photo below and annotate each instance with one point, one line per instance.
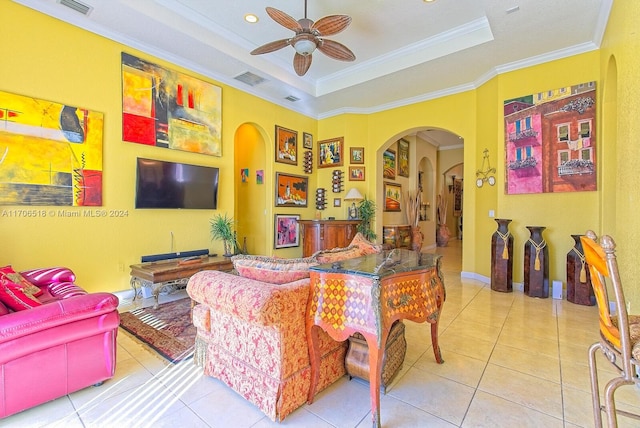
(309, 37)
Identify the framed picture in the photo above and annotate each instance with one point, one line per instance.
(356, 173)
(389, 163)
(331, 152)
(357, 155)
(337, 202)
(291, 190)
(307, 140)
(403, 158)
(392, 197)
(244, 174)
(287, 231)
(286, 145)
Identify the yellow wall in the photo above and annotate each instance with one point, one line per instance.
(620, 198)
(50, 60)
(61, 63)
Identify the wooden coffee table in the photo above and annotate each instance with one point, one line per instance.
(171, 275)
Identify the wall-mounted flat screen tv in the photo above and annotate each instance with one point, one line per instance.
(161, 184)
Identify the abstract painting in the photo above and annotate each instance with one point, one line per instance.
(291, 190)
(164, 108)
(287, 231)
(286, 145)
(330, 152)
(403, 158)
(550, 141)
(50, 153)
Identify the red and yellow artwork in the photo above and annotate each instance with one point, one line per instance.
(50, 153)
(164, 108)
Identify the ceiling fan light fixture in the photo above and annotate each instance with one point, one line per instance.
(304, 46)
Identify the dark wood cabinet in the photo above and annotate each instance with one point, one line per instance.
(326, 234)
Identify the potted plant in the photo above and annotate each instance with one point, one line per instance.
(222, 230)
(367, 211)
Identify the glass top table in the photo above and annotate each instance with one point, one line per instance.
(367, 295)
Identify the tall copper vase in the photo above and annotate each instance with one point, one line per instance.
(536, 264)
(579, 288)
(502, 257)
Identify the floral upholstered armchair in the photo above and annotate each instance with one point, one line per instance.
(251, 328)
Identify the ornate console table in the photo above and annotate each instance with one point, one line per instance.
(366, 295)
(169, 275)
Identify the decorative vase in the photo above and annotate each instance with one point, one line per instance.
(442, 235)
(416, 239)
(579, 288)
(536, 266)
(502, 257)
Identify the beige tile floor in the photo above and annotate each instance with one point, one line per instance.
(510, 361)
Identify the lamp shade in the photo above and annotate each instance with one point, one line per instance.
(304, 47)
(353, 195)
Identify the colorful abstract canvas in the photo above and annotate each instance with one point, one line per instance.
(550, 141)
(168, 109)
(50, 153)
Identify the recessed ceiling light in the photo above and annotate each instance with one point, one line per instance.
(251, 18)
(429, 1)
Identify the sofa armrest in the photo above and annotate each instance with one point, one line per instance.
(248, 299)
(46, 276)
(58, 312)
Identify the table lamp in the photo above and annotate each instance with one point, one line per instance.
(353, 195)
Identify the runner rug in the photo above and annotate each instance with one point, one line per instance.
(167, 330)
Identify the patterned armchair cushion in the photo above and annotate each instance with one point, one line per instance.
(365, 246)
(272, 270)
(244, 298)
(338, 254)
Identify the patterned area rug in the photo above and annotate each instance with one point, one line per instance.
(168, 329)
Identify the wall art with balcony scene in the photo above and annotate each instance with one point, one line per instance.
(550, 141)
(50, 153)
(165, 108)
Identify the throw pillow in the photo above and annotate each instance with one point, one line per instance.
(15, 291)
(338, 254)
(366, 246)
(272, 270)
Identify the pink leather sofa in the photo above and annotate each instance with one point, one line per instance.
(63, 345)
(251, 328)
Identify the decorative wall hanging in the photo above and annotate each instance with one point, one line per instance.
(291, 190)
(244, 174)
(485, 173)
(307, 162)
(550, 141)
(389, 164)
(307, 140)
(356, 173)
(336, 181)
(321, 198)
(287, 231)
(260, 176)
(331, 152)
(165, 108)
(392, 197)
(357, 155)
(286, 145)
(51, 153)
(403, 158)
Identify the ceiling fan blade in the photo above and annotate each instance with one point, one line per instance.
(301, 63)
(335, 50)
(271, 47)
(283, 19)
(332, 24)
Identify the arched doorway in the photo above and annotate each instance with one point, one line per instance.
(251, 195)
